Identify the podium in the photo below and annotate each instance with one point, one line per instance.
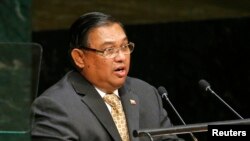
(19, 76)
(185, 129)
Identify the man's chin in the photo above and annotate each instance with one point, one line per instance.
(120, 82)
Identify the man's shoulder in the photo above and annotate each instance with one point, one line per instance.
(61, 86)
(136, 83)
(134, 80)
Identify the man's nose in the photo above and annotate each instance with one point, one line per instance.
(120, 54)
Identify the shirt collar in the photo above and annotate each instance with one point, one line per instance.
(102, 94)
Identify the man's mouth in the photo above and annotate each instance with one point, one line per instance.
(120, 71)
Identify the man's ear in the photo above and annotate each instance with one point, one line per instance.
(78, 57)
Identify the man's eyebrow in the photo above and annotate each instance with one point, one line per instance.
(113, 42)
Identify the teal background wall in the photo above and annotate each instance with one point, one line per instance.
(15, 20)
(15, 73)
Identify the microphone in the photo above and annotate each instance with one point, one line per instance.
(206, 86)
(163, 92)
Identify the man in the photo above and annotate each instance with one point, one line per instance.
(74, 109)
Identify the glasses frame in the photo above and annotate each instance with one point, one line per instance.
(102, 52)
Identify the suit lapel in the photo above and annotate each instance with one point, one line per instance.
(96, 104)
(98, 107)
(130, 103)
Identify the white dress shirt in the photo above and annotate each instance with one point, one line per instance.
(102, 94)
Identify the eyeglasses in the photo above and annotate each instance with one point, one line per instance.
(113, 52)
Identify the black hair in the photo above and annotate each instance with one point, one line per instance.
(80, 28)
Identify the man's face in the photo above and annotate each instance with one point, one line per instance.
(107, 74)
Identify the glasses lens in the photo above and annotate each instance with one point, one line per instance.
(109, 52)
(112, 52)
(131, 47)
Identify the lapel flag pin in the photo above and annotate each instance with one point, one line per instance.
(133, 102)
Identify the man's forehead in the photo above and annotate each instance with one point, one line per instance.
(108, 34)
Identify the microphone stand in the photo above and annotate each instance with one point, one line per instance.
(206, 86)
(237, 114)
(164, 95)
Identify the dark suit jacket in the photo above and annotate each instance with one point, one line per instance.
(72, 110)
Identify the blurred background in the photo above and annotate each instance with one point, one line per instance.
(177, 44)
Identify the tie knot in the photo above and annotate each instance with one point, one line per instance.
(112, 99)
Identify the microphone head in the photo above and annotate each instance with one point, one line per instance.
(204, 85)
(162, 90)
